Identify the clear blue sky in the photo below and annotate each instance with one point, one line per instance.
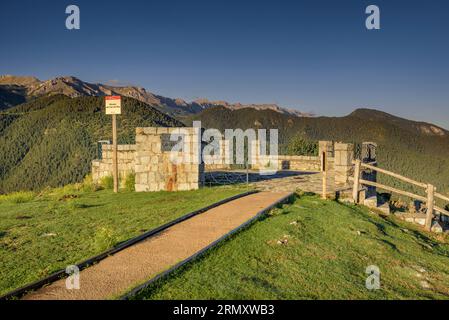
(311, 55)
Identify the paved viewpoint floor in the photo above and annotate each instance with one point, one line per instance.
(117, 274)
(289, 181)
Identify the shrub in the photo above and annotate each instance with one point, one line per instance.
(105, 238)
(107, 182)
(18, 197)
(88, 185)
(302, 147)
(130, 182)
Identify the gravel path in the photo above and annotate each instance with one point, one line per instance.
(126, 269)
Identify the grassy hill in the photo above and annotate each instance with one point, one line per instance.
(51, 141)
(415, 149)
(315, 249)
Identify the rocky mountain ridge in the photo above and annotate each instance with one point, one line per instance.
(74, 87)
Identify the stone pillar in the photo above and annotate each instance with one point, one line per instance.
(369, 151)
(326, 146)
(159, 168)
(344, 155)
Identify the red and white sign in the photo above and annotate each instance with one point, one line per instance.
(113, 104)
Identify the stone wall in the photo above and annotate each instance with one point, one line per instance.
(153, 161)
(154, 166)
(303, 163)
(125, 157)
(297, 163)
(285, 162)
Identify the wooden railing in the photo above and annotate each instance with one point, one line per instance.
(428, 188)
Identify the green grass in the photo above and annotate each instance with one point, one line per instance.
(40, 234)
(328, 248)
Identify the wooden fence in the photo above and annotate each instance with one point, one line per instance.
(428, 188)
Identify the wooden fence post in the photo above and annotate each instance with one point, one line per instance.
(324, 171)
(430, 206)
(355, 190)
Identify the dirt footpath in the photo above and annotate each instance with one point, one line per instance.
(117, 274)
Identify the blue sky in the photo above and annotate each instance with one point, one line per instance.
(312, 55)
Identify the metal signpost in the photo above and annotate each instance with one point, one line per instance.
(324, 171)
(114, 107)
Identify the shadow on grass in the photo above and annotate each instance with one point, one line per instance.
(87, 206)
(262, 283)
(390, 244)
(419, 237)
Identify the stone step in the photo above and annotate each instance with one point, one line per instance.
(418, 218)
(371, 202)
(384, 208)
(375, 202)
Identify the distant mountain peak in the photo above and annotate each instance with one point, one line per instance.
(377, 115)
(73, 87)
(18, 80)
(205, 103)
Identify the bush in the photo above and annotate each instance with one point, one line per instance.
(18, 197)
(88, 185)
(105, 238)
(107, 182)
(130, 182)
(302, 147)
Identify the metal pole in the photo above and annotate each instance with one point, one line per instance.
(324, 170)
(114, 152)
(247, 175)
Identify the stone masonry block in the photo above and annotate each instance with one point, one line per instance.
(150, 130)
(141, 188)
(162, 130)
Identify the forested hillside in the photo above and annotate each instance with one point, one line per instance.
(11, 96)
(415, 149)
(51, 141)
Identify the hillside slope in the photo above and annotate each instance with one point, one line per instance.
(316, 249)
(11, 95)
(51, 141)
(415, 149)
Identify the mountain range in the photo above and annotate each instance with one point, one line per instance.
(418, 150)
(49, 130)
(22, 89)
